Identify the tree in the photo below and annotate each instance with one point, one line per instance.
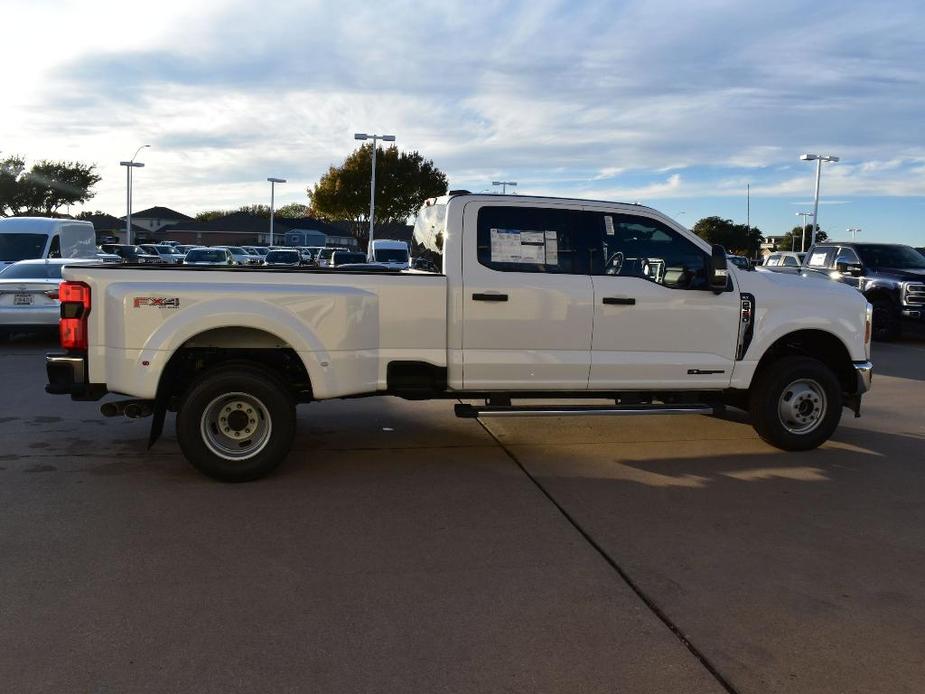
(735, 238)
(404, 180)
(45, 188)
(794, 238)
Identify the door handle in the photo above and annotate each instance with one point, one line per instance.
(620, 300)
(479, 296)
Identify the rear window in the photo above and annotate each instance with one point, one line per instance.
(207, 255)
(22, 246)
(344, 257)
(391, 255)
(283, 257)
(32, 271)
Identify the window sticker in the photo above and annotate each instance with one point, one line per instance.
(552, 248)
(608, 225)
(516, 246)
(818, 259)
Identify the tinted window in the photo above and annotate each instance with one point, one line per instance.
(633, 246)
(206, 255)
(883, 255)
(22, 246)
(848, 256)
(283, 257)
(32, 271)
(790, 261)
(391, 255)
(342, 257)
(531, 239)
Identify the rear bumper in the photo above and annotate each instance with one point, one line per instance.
(865, 374)
(67, 375)
(30, 315)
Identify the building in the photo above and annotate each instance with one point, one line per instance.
(110, 229)
(244, 229)
(156, 218)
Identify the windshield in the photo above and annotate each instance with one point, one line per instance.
(884, 255)
(343, 257)
(22, 246)
(32, 271)
(391, 255)
(283, 256)
(205, 254)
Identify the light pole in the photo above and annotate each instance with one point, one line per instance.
(504, 185)
(372, 181)
(854, 231)
(129, 165)
(804, 215)
(818, 158)
(273, 182)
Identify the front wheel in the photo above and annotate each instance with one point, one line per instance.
(795, 403)
(236, 423)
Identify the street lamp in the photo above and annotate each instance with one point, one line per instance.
(372, 182)
(854, 231)
(273, 182)
(804, 215)
(129, 165)
(504, 185)
(818, 158)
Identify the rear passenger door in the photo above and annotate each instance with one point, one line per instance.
(527, 294)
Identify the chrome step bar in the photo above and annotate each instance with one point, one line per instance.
(466, 411)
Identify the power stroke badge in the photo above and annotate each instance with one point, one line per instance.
(157, 301)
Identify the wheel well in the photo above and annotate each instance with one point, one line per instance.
(223, 345)
(882, 294)
(820, 345)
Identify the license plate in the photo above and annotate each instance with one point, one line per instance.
(22, 300)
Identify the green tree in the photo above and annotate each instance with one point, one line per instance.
(794, 238)
(44, 188)
(404, 180)
(735, 238)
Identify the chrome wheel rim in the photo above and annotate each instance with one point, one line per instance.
(236, 426)
(802, 406)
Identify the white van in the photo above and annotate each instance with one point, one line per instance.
(394, 254)
(28, 238)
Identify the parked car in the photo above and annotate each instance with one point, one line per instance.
(185, 248)
(168, 254)
(784, 261)
(241, 257)
(26, 238)
(323, 256)
(131, 254)
(289, 257)
(258, 251)
(889, 275)
(29, 292)
(104, 257)
(655, 321)
(348, 257)
(395, 254)
(209, 256)
(742, 262)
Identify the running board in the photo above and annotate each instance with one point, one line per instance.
(466, 411)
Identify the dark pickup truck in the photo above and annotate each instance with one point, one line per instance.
(891, 277)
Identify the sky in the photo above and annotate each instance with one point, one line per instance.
(673, 104)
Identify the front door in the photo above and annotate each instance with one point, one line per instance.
(656, 324)
(526, 299)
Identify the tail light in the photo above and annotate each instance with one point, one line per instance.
(75, 308)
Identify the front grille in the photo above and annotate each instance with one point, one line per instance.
(914, 294)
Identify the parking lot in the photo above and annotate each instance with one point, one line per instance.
(400, 549)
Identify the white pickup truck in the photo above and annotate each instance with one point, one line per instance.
(540, 298)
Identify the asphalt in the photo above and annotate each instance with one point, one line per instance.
(400, 549)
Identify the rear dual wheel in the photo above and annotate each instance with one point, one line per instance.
(236, 423)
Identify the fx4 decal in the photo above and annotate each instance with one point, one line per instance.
(157, 301)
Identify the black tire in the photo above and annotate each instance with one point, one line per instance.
(808, 382)
(887, 324)
(244, 388)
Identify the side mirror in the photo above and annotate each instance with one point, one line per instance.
(849, 269)
(719, 270)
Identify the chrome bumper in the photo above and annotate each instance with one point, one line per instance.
(865, 373)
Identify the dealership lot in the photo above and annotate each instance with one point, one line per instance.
(402, 549)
